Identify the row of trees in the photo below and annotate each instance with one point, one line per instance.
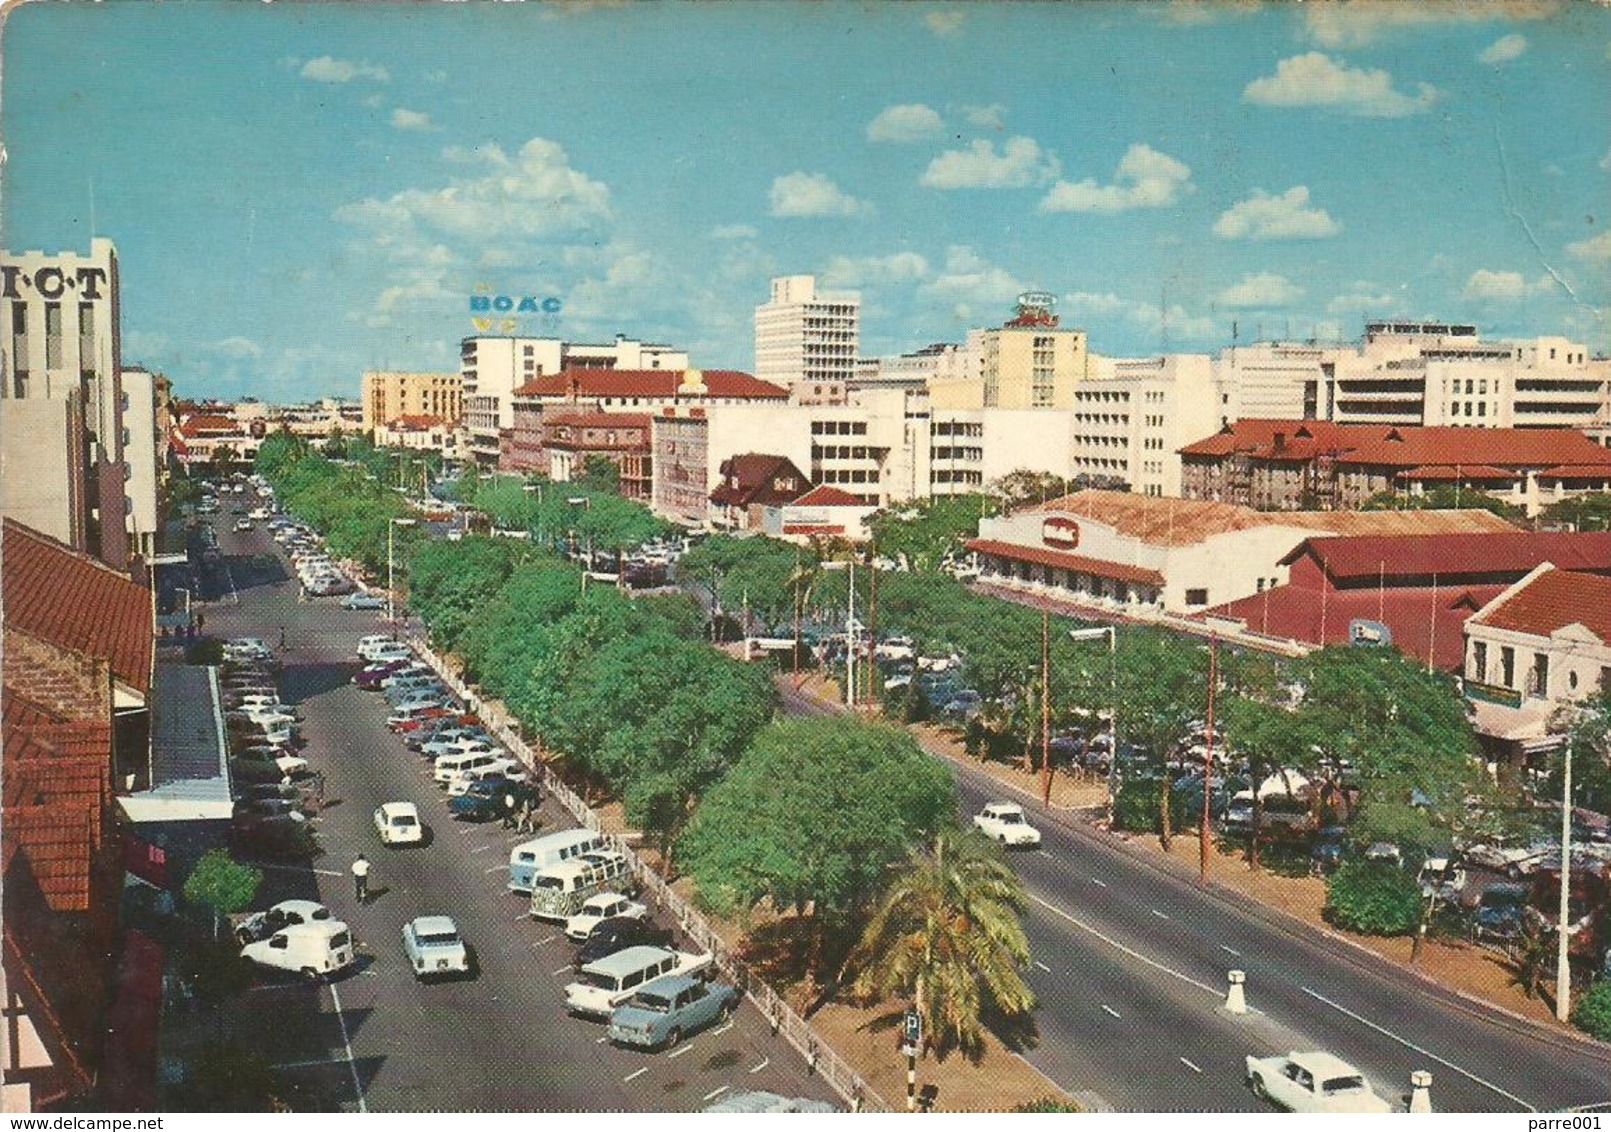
(353, 509)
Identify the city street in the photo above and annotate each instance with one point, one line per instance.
(1130, 964)
(376, 1040)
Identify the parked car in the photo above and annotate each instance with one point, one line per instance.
(1500, 912)
(434, 948)
(282, 762)
(482, 800)
(1514, 861)
(261, 925)
(314, 950)
(372, 676)
(612, 935)
(965, 704)
(363, 601)
(257, 811)
(1329, 846)
(596, 909)
(299, 793)
(243, 525)
(1441, 878)
(398, 823)
(1004, 822)
(1312, 1082)
(668, 1009)
(607, 983)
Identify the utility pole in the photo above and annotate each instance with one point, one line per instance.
(1563, 958)
(1208, 763)
(1046, 708)
(871, 675)
(850, 639)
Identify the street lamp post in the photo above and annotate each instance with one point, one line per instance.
(391, 569)
(1563, 958)
(1112, 635)
(538, 488)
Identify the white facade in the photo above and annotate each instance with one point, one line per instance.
(807, 342)
(941, 362)
(140, 453)
(493, 368)
(1133, 417)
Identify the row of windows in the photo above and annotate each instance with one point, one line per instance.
(1090, 441)
(956, 428)
(838, 428)
(1455, 408)
(955, 475)
(974, 454)
(842, 452)
(846, 475)
(1103, 418)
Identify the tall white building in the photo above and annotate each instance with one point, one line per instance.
(1132, 418)
(59, 338)
(807, 342)
(492, 369)
(140, 453)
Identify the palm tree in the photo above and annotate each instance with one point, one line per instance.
(946, 934)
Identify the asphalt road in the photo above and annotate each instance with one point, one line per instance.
(1130, 965)
(376, 1040)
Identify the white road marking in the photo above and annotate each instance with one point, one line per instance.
(310, 1063)
(602, 1040)
(293, 868)
(714, 1093)
(1134, 954)
(764, 1063)
(483, 849)
(635, 1074)
(1406, 1043)
(1193, 1066)
(723, 1030)
(1230, 951)
(1159, 914)
(495, 869)
(545, 941)
(561, 971)
(1042, 852)
(679, 1052)
(1110, 1010)
(1043, 966)
(1099, 883)
(346, 1042)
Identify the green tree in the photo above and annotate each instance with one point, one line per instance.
(1447, 498)
(947, 934)
(922, 534)
(1024, 488)
(813, 814)
(601, 474)
(449, 581)
(1373, 898)
(221, 884)
(1588, 512)
(1592, 1011)
(1586, 728)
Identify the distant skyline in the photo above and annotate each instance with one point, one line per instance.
(301, 192)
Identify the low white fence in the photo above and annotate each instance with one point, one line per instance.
(784, 1019)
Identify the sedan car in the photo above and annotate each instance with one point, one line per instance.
(1312, 1082)
(1004, 822)
(482, 800)
(243, 525)
(1513, 860)
(610, 936)
(363, 601)
(668, 1009)
(261, 925)
(434, 948)
(398, 823)
(596, 909)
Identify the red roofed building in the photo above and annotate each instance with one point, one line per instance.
(824, 512)
(1413, 591)
(752, 482)
(1534, 647)
(418, 431)
(622, 391)
(1291, 465)
(571, 439)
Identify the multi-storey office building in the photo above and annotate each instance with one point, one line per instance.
(388, 395)
(1135, 414)
(806, 341)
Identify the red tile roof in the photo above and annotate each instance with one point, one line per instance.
(206, 423)
(828, 496)
(667, 383)
(58, 844)
(1468, 473)
(1405, 446)
(71, 600)
(747, 481)
(1062, 560)
(415, 422)
(1510, 553)
(1576, 472)
(1422, 619)
(1552, 600)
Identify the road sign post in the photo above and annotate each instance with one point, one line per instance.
(911, 1042)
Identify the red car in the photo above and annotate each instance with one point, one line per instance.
(371, 676)
(421, 718)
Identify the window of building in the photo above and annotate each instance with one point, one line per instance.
(53, 335)
(1197, 597)
(1479, 661)
(1507, 666)
(1540, 679)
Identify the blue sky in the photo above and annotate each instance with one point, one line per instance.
(302, 192)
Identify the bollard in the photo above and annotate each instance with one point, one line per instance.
(1420, 1091)
(1236, 995)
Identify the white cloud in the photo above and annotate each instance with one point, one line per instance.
(1262, 291)
(1089, 302)
(970, 286)
(1363, 298)
(1504, 286)
(1150, 318)
(1596, 249)
(908, 122)
(734, 232)
(860, 271)
(948, 22)
(326, 69)
(812, 194)
(1318, 81)
(1145, 178)
(410, 119)
(1357, 23)
(992, 117)
(1605, 162)
(1504, 49)
(1020, 164)
(1284, 217)
(236, 347)
(437, 77)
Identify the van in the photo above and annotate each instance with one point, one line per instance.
(450, 767)
(313, 950)
(558, 892)
(530, 857)
(610, 981)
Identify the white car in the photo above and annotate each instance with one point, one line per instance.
(314, 950)
(261, 925)
(434, 947)
(1004, 822)
(604, 906)
(1312, 1082)
(247, 648)
(398, 823)
(1512, 860)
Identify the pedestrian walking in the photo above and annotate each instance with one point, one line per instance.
(282, 636)
(509, 809)
(528, 812)
(360, 879)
